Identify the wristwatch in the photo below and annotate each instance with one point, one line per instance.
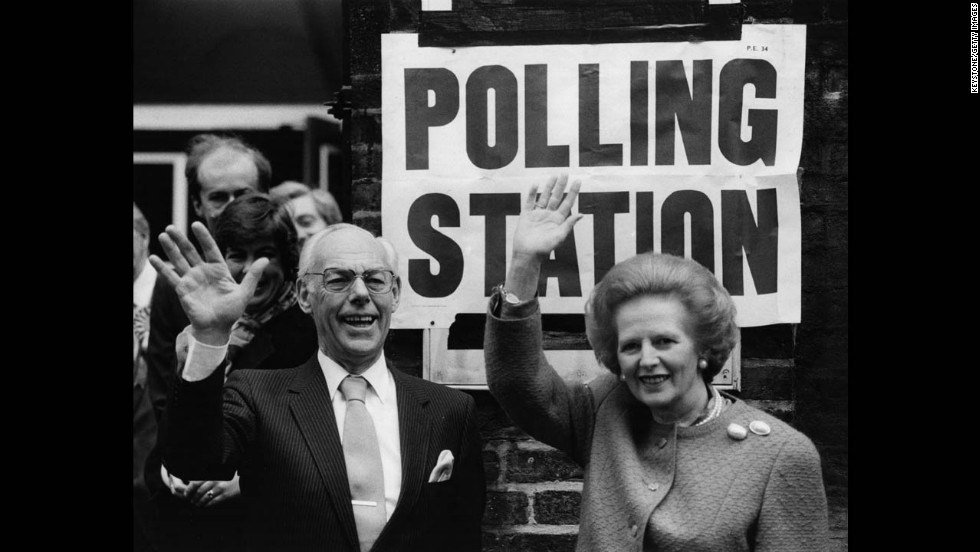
(508, 296)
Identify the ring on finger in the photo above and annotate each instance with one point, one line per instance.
(209, 494)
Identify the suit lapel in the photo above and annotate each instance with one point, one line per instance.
(414, 426)
(311, 406)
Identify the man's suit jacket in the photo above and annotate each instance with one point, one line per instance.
(283, 342)
(279, 430)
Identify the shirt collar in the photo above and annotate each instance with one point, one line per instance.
(143, 286)
(377, 376)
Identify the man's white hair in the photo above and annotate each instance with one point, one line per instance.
(312, 243)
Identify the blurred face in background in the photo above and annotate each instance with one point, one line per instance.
(305, 217)
(224, 175)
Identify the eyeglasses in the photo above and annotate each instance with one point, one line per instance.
(339, 280)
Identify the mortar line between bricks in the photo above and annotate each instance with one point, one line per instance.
(531, 488)
(530, 509)
(533, 529)
(501, 451)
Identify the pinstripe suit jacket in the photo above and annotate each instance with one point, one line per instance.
(277, 428)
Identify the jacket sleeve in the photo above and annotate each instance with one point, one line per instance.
(794, 507)
(529, 390)
(167, 319)
(211, 423)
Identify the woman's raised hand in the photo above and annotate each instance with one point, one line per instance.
(210, 297)
(546, 221)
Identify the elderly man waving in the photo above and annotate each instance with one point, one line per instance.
(341, 452)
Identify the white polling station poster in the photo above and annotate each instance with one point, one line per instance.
(686, 148)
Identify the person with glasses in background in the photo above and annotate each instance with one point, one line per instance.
(342, 452)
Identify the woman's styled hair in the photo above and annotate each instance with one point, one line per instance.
(254, 217)
(709, 305)
(324, 202)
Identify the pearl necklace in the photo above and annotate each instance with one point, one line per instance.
(715, 409)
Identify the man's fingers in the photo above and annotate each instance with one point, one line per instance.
(566, 205)
(185, 245)
(208, 246)
(164, 269)
(174, 254)
(252, 277)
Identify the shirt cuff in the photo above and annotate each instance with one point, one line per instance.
(202, 358)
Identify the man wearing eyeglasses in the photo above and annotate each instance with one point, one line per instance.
(340, 453)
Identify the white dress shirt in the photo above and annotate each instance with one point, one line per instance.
(381, 403)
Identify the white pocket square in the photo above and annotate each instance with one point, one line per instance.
(444, 468)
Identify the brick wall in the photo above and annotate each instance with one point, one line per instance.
(798, 373)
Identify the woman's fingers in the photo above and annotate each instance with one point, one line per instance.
(556, 193)
(542, 201)
(532, 195)
(566, 205)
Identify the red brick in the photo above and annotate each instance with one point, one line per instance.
(767, 9)
(366, 194)
(532, 466)
(807, 11)
(837, 10)
(528, 542)
(491, 465)
(505, 508)
(557, 507)
(766, 382)
(773, 341)
(368, 220)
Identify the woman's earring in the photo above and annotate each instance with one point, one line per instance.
(702, 364)
(622, 377)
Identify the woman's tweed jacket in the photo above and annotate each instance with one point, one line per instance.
(658, 487)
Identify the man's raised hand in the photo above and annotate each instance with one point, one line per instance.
(210, 297)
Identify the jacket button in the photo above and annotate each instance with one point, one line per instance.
(737, 432)
(653, 486)
(759, 427)
(662, 442)
(633, 531)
